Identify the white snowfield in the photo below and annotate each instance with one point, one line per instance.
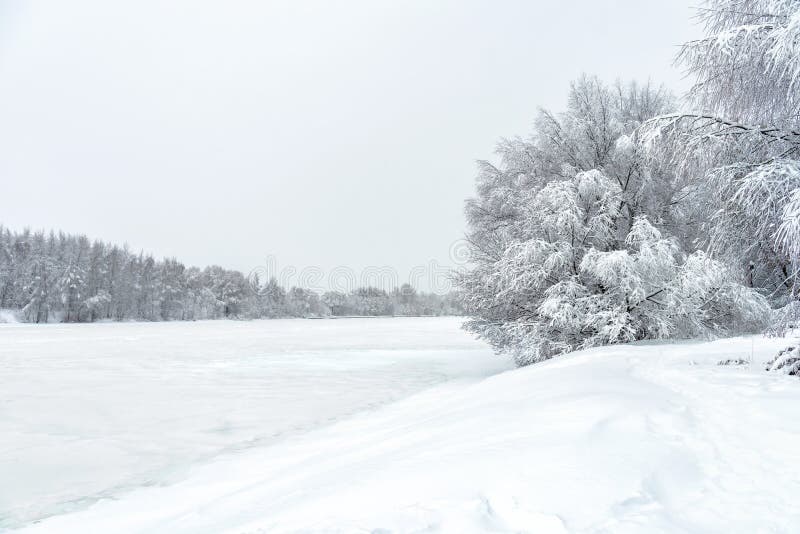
(638, 438)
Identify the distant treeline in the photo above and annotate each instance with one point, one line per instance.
(58, 277)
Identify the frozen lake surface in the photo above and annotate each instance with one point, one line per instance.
(89, 411)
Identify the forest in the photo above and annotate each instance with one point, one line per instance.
(57, 277)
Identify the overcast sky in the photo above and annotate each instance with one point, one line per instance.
(320, 133)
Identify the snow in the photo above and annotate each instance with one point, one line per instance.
(90, 411)
(8, 316)
(628, 438)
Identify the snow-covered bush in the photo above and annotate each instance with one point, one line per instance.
(568, 297)
(787, 361)
(8, 316)
(578, 240)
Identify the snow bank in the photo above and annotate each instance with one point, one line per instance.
(640, 438)
(8, 316)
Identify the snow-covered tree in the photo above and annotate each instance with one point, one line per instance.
(272, 299)
(39, 290)
(739, 141)
(70, 288)
(301, 302)
(370, 301)
(579, 239)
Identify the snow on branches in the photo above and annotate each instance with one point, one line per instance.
(747, 67)
(579, 239)
(740, 143)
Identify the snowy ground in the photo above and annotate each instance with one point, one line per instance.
(93, 411)
(642, 438)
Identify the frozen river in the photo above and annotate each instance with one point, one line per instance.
(89, 411)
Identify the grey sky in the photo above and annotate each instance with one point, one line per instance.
(322, 133)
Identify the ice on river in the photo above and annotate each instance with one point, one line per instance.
(89, 411)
